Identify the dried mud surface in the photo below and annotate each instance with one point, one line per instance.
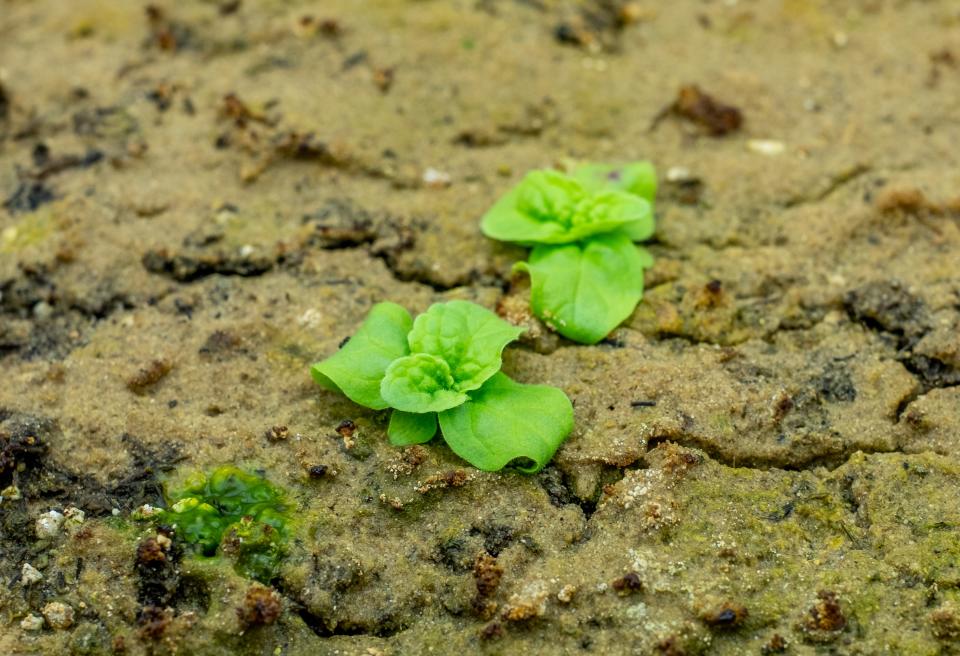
(201, 198)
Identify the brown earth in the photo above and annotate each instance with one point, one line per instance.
(201, 198)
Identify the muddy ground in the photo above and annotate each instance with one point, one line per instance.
(201, 198)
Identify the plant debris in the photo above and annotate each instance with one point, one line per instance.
(716, 118)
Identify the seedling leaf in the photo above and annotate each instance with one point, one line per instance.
(583, 291)
(468, 337)
(408, 428)
(420, 383)
(548, 207)
(638, 178)
(358, 367)
(505, 420)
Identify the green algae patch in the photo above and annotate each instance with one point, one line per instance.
(233, 513)
(29, 231)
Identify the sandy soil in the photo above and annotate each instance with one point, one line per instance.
(201, 198)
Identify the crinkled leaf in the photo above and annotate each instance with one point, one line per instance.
(583, 291)
(358, 367)
(505, 420)
(639, 178)
(466, 336)
(420, 382)
(411, 428)
(535, 210)
(548, 207)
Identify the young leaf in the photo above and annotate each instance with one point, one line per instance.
(535, 210)
(420, 383)
(583, 291)
(639, 178)
(505, 420)
(646, 257)
(410, 428)
(548, 207)
(358, 367)
(466, 336)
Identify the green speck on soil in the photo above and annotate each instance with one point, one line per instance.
(30, 230)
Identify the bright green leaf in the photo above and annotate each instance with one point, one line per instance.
(535, 211)
(358, 367)
(639, 178)
(646, 257)
(420, 383)
(411, 428)
(468, 337)
(505, 420)
(548, 207)
(583, 291)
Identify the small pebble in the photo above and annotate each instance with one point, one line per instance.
(10, 493)
(73, 517)
(31, 623)
(145, 511)
(42, 310)
(58, 615)
(766, 146)
(30, 575)
(678, 174)
(565, 596)
(436, 178)
(49, 524)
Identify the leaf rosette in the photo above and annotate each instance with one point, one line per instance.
(443, 369)
(586, 272)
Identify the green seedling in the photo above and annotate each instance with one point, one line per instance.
(236, 513)
(443, 369)
(586, 273)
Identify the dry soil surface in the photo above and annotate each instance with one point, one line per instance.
(201, 198)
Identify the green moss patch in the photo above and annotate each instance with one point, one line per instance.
(236, 514)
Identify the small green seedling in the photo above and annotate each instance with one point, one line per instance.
(586, 273)
(444, 369)
(234, 512)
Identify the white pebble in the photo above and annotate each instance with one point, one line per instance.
(31, 623)
(678, 174)
(42, 310)
(436, 178)
(30, 574)
(565, 596)
(49, 524)
(58, 615)
(766, 146)
(145, 511)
